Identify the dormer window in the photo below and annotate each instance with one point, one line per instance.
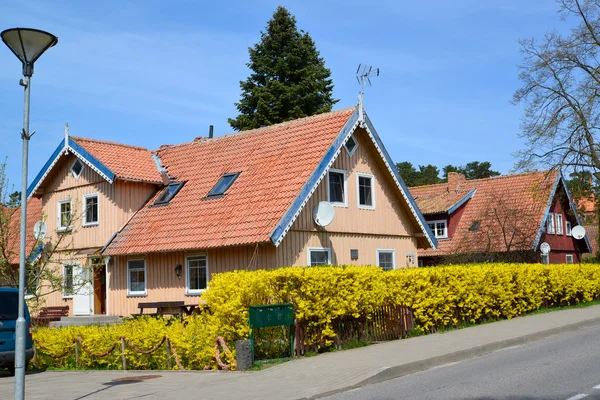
(168, 193)
(351, 145)
(474, 226)
(77, 168)
(223, 184)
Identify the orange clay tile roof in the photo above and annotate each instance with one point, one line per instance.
(591, 231)
(517, 202)
(432, 202)
(274, 164)
(127, 162)
(34, 214)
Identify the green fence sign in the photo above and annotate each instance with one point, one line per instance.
(260, 318)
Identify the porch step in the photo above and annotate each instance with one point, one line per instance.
(86, 320)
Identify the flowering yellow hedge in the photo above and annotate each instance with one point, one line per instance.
(439, 296)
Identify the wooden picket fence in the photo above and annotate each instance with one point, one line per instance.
(385, 323)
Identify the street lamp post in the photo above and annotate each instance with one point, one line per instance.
(28, 45)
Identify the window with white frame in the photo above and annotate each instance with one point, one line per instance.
(68, 280)
(550, 224)
(351, 145)
(76, 168)
(568, 228)
(366, 191)
(136, 277)
(90, 204)
(569, 258)
(439, 228)
(65, 215)
(386, 259)
(196, 273)
(545, 259)
(559, 224)
(336, 187)
(319, 256)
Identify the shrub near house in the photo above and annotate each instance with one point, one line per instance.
(439, 297)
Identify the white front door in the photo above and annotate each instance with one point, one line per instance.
(83, 292)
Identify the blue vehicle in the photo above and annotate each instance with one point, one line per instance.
(9, 310)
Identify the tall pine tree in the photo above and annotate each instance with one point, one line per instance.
(289, 79)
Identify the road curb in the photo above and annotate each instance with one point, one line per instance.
(460, 355)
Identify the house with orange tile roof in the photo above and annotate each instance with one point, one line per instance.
(158, 224)
(503, 218)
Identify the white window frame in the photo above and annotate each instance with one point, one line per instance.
(85, 209)
(568, 228)
(559, 223)
(59, 226)
(311, 249)
(365, 175)
(75, 175)
(351, 153)
(137, 293)
(64, 277)
(439, 221)
(393, 251)
(345, 202)
(550, 227)
(567, 256)
(187, 274)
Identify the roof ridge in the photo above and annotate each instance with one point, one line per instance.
(76, 138)
(497, 177)
(262, 129)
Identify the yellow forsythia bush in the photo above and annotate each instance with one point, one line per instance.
(322, 296)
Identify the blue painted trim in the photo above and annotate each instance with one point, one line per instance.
(538, 237)
(574, 209)
(403, 188)
(36, 252)
(44, 169)
(313, 179)
(92, 160)
(462, 201)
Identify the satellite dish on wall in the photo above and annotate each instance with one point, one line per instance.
(578, 232)
(323, 213)
(545, 248)
(39, 230)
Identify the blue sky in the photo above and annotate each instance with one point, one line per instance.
(158, 72)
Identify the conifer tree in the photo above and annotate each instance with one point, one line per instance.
(289, 79)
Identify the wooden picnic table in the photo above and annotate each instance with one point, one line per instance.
(167, 308)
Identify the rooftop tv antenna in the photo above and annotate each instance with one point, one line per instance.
(364, 74)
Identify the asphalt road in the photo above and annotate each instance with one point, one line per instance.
(562, 367)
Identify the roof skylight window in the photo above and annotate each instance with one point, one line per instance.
(168, 193)
(223, 184)
(474, 226)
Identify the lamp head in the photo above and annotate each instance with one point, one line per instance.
(28, 45)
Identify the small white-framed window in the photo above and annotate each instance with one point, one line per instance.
(91, 210)
(544, 258)
(439, 228)
(410, 259)
(77, 168)
(319, 256)
(351, 145)
(550, 224)
(386, 259)
(67, 281)
(65, 215)
(569, 258)
(568, 228)
(559, 224)
(336, 187)
(196, 273)
(136, 277)
(366, 191)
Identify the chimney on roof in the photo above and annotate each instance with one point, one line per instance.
(210, 131)
(455, 179)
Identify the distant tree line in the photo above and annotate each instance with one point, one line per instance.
(430, 174)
